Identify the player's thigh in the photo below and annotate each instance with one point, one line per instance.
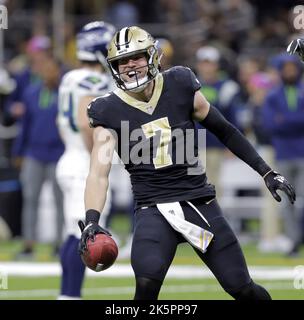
(72, 187)
(154, 244)
(224, 256)
(227, 263)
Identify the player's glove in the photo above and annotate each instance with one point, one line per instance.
(88, 232)
(296, 47)
(274, 181)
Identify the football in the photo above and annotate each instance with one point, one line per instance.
(101, 253)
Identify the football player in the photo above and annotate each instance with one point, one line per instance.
(174, 201)
(76, 91)
(296, 46)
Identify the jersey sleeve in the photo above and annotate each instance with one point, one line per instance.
(194, 83)
(186, 78)
(96, 113)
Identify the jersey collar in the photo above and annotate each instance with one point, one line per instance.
(147, 107)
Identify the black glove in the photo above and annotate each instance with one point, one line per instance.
(274, 181)
(296, 47)
(88, 232)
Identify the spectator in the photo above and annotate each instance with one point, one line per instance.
(37, 52)
(219, 91)
(258, 86)
(122, 13)
(284, 119)
(166, 51)
(40, 146)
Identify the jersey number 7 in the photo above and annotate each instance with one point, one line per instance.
(162, 158)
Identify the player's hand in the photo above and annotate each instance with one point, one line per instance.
(88, 232)
(296, 47)
(274, 181)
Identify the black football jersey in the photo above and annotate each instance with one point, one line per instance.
(152, 138)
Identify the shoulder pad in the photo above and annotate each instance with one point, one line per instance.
(95, 85)
(98, 111)
(179, 72)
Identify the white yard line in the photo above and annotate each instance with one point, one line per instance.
(168, 289)
(34, 269)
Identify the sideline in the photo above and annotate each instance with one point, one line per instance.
(38, 269)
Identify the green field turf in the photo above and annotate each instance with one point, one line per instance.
(46, 288)
(184, 255)
(37, 288)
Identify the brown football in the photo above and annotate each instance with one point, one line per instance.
(101, 253)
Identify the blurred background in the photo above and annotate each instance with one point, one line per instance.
(236, 48)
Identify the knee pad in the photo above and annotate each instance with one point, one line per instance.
(251, 291)
(147, 289)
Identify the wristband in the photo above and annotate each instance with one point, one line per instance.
(265, 175)
(92, 215)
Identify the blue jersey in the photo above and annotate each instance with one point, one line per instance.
(152, 137)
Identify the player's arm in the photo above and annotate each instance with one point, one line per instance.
(97, 184)
(82, 120)
(210, 118)
(296, 47)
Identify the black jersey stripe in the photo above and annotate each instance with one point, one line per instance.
(118, 40)
(126, 38)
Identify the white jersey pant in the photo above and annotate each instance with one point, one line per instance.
(71, 174)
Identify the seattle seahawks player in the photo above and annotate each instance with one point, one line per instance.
(77, 89)
(147, 119)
